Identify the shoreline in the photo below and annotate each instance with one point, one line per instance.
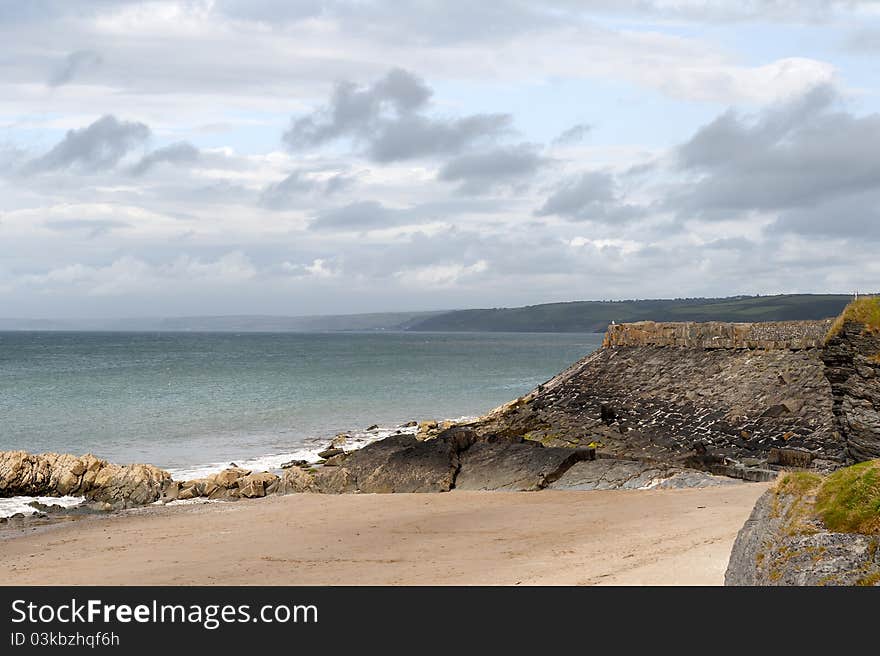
(661, 537)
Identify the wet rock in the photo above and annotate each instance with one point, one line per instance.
(374, 427)
(294, 463)
(329, 453)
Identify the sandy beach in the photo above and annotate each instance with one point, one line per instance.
(657, 537)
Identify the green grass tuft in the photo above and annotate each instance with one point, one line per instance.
(865, 310)
(849, 499)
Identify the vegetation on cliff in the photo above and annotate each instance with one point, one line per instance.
(865, 311)
(846, 501)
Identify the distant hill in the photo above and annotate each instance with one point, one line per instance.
(594, 316)
(576, 316)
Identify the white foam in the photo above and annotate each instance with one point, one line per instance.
(12, 505)
(308, 452)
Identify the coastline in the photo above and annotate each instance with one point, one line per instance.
(614, 537)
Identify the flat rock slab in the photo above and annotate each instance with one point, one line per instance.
(613, 474)
(504, 465)
(399, 463)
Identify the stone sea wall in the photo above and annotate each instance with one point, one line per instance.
(787, 335)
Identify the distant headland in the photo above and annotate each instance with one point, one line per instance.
(568, 317)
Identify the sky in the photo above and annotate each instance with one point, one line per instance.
(298, 157)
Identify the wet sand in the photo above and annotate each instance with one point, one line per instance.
(657, 537)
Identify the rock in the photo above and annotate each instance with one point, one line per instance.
(171, 492)
(399, 463)
(294, 463)
(53, 474)
(336, 460)
(228, 478)
(296, 480)
(771, 550)
(502, 464)
(329, 453)
(410, 424)
(374, 427)
(851, 365)
(790, 457)
(255, 485)
(607, 414)
(339, 441)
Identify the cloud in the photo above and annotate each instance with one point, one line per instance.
(482, 172)
(385, 119)
(574, 134)
(296, 189)
(361, 215)
(74, 65)
(181, 152)
(96, 147)
(591, 196)
(798, 154)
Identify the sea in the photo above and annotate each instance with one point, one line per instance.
(193, 403)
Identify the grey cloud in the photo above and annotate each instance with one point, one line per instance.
(371, 214)
(177, 153)
(856, 216)
(385, 118)
(592, 196)
(73, 65)
(481, 172)
(574, 134)
(297, 188)
(95, 147)
(361, 215)
(795, 155)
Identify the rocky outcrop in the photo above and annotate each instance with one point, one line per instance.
(659, 402)
(613, 474)
(399, 463)
(53, 474)
(782, 544)
(852, 366)
(501, 464)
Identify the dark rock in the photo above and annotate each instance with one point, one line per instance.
(336, 460)
(607, 414)
(502, 464)
(329, 453)
(373, 427)
(399, 463)
(294, 463)
(851, 364)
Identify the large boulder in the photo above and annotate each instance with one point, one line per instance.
(399, 463)
(509, 465)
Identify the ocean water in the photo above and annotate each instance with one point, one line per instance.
(193, 402)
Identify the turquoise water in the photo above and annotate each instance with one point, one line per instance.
(185, 400)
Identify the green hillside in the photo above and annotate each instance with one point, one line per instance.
(594, 316)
